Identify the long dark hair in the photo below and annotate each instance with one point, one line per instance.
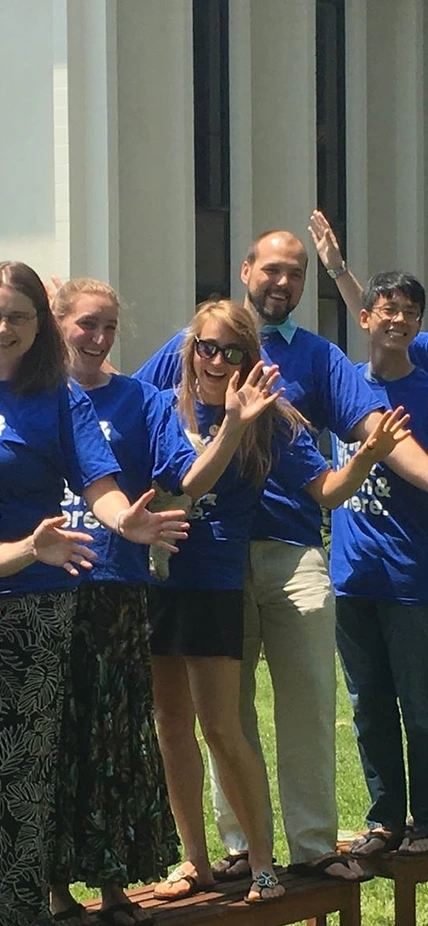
(43, 366)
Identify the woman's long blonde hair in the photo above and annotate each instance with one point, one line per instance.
(254, 455)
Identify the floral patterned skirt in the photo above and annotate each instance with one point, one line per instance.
(35, 632)
(114, 824)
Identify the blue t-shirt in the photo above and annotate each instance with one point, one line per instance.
(380, 534)
(418, 350)
(45, 439)
(214, 556)
(149, 443)
(163, 368)
(322, 383)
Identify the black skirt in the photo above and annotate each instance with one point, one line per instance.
(196, 622)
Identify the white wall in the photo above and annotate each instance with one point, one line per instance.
(156, 176)
(27, 163)
(386, 140)
(273, 126)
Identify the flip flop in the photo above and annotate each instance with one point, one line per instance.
(75, 912)
(319, 869)
(107, 916)
(230, 861)
(195, 886)
(390, 839)
(413, 835)
(259, 883)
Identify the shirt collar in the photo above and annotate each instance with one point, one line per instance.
(287, 329)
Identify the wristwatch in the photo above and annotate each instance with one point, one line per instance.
(334, 274)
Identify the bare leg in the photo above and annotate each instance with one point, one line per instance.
(214, 685)
(175, 717)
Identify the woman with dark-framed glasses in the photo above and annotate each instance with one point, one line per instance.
(48, 433)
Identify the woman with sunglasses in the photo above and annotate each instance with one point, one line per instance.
(113, 820)
(196, 616)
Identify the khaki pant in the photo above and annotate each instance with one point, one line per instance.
(289, 608)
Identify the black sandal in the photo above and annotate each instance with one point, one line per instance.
(107, 916)
(413, 834)
(230, 861)
(390, 839)
(319, 869)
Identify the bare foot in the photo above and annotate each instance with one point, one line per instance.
(184, 881)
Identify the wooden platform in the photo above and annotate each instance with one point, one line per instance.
(406, 873)
(310, 899)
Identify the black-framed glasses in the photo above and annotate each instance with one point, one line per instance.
(16, 319)
(231, 353)
(390, 312)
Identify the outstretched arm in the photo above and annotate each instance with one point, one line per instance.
(332, 488)
(408, 460)
(48, 544)
(242, 406)
(133, 522)
(329, 253)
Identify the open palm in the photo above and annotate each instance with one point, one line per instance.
(246, 403)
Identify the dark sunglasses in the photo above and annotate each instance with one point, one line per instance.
(209, 349)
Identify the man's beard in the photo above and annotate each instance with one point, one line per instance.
(269, 317)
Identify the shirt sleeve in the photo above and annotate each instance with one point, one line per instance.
(418, 351)
(296, 463)
(87, 454)
(163, 369)
(344, 396)
(171, 450)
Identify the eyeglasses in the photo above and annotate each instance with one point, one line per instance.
(16, 319)
(390, 312)
(209, 349)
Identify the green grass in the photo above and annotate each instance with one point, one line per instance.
(377, 895)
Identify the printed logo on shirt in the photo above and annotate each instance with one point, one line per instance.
(106, 429)
(375, 491)
(79, 516)
(198, 511)
(3, 423)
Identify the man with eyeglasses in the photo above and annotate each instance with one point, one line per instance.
(289, 603)
(379, 565)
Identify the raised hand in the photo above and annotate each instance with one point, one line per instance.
(142, 526)
(52, 287)
(58, 547)
(325, 241)
(390, 431)
(245, 404)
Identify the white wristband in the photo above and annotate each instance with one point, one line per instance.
(117, 522)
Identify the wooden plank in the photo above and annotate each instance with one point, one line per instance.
(309, 899)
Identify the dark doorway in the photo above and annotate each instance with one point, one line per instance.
(212, 149)
(331, 153)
